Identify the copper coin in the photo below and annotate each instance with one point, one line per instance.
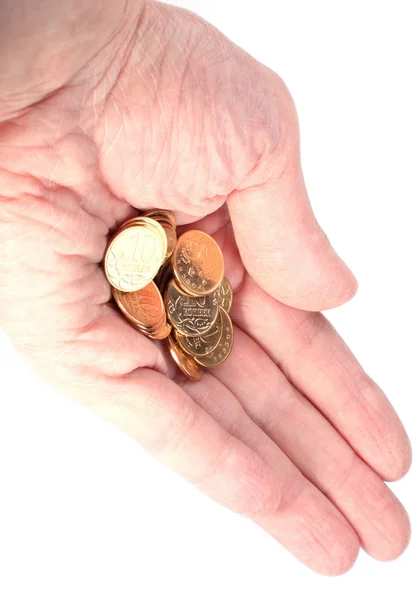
(134, 256)
(159, 334)
(128, 223)
(198, 263)
(185, 363)
(164, 275)
(190, 315)
(171, 239)
(162, 333)
(223, 349)
(168, 223)
(161, 214)
(202, 345)
(144, 307)
(223, 295)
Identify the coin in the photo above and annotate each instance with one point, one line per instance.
(198, 263)
(185, 363)
(223, 295)
(164, 275)
(168, 223)
(171, 239)
(134, 256)
(162, 333)
(188, 273)
(159, 334)
(161, 214)
(144, 308)
(202, 345)
(223, 349)
(153, 224)
(129, 223)
(157, 227)
(190, 315)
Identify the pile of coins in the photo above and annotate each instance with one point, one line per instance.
(174, 289)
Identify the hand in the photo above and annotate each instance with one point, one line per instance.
(106, 110)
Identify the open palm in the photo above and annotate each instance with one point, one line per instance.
(134, 106)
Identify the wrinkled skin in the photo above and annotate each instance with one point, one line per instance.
(106, 110)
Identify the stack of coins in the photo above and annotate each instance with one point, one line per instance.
(174, 289)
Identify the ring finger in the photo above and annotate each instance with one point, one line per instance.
(316, 448)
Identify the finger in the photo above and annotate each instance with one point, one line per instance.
(335, 554)
(177, 431)
(111, 357)
(316, 448)
(117, 376)
(320, 365)
(281, 244)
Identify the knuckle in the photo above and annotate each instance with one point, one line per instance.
(210, 478)
(259, 496)
(256, 508)
(173, 431)
(343, 470)
(242, 484)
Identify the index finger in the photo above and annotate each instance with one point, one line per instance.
(317, 361)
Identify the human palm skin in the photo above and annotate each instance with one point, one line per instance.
(112, 107)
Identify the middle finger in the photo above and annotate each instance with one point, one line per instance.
(316, 448)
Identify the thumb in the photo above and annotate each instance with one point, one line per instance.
(281, 243)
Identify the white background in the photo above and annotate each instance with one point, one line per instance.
(84, 513)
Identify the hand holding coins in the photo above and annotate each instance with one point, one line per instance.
(174, 289)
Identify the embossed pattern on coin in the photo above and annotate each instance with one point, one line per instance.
(223, 349)
(198, 263)
(202, 345)
(133, 258)
(223, 295)
(145, 263)
(190, 315)
(186, 363)
(143, 307)
(152, 225)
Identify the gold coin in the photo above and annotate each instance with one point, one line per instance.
(162, 333)
(157, 332)
(128, 223)
(171, 239)
(144, 308)
(161, 214)
(198, 263)
(202, 345)
(185, 363)
(168, 223)
(223, 349)
(223, 295)
(164, 275)
(155, 225)
(190, 315)
(134, 256)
